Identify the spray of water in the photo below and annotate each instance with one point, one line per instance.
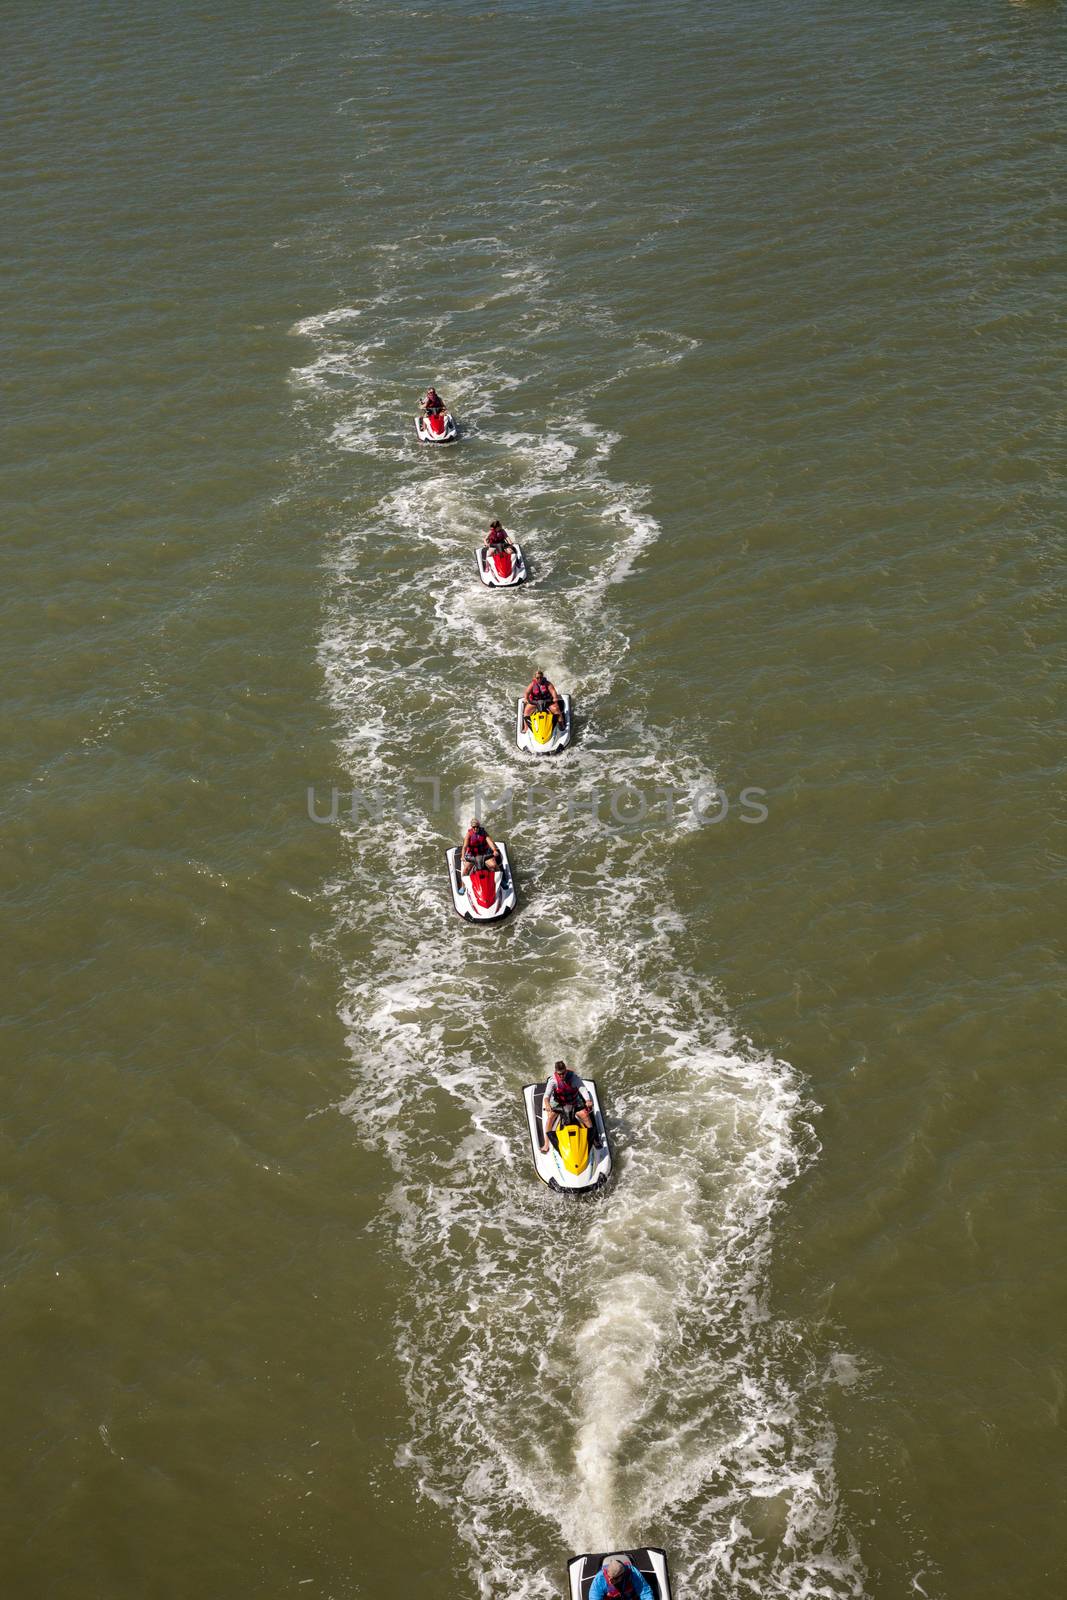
(592, 1376)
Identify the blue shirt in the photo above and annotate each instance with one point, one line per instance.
(599, 1586)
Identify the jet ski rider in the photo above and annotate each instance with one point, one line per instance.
(565, 1092)
(479, 851)
(619, 1579)
(433, 405)
(541, 696)
(496, 538)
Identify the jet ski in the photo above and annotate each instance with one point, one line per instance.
(545, 735)
(574, 1164)
(501, 569)
(439, 428)
(484, 895)
(651, 1564)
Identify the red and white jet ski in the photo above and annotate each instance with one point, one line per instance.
(484, 895)
(436, 427)
(501, 569)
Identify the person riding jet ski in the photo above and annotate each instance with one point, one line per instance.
(619, 1579)
(478, 851)
(496, 538)
(541, 696)
(566, 1092)
(433, 405)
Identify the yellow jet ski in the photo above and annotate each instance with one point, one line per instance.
(546, 734)
(575, 1163)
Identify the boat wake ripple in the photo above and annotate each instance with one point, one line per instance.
(579, 1376)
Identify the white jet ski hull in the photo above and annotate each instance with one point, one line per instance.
(550, 1168)
(448, 437)
(464, 904)
(561, 733)
(488, 573)
(650, 1563)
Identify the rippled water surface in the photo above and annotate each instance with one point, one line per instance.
(753, 319)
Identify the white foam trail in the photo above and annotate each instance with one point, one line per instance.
(591, 1376)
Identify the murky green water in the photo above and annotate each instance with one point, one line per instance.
(753, 318)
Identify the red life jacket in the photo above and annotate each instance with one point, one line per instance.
(628, 1589)
(568, 1094)
(476, 843)
(539, 692)
(497, 536)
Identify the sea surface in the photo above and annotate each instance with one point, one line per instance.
(754, 321)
